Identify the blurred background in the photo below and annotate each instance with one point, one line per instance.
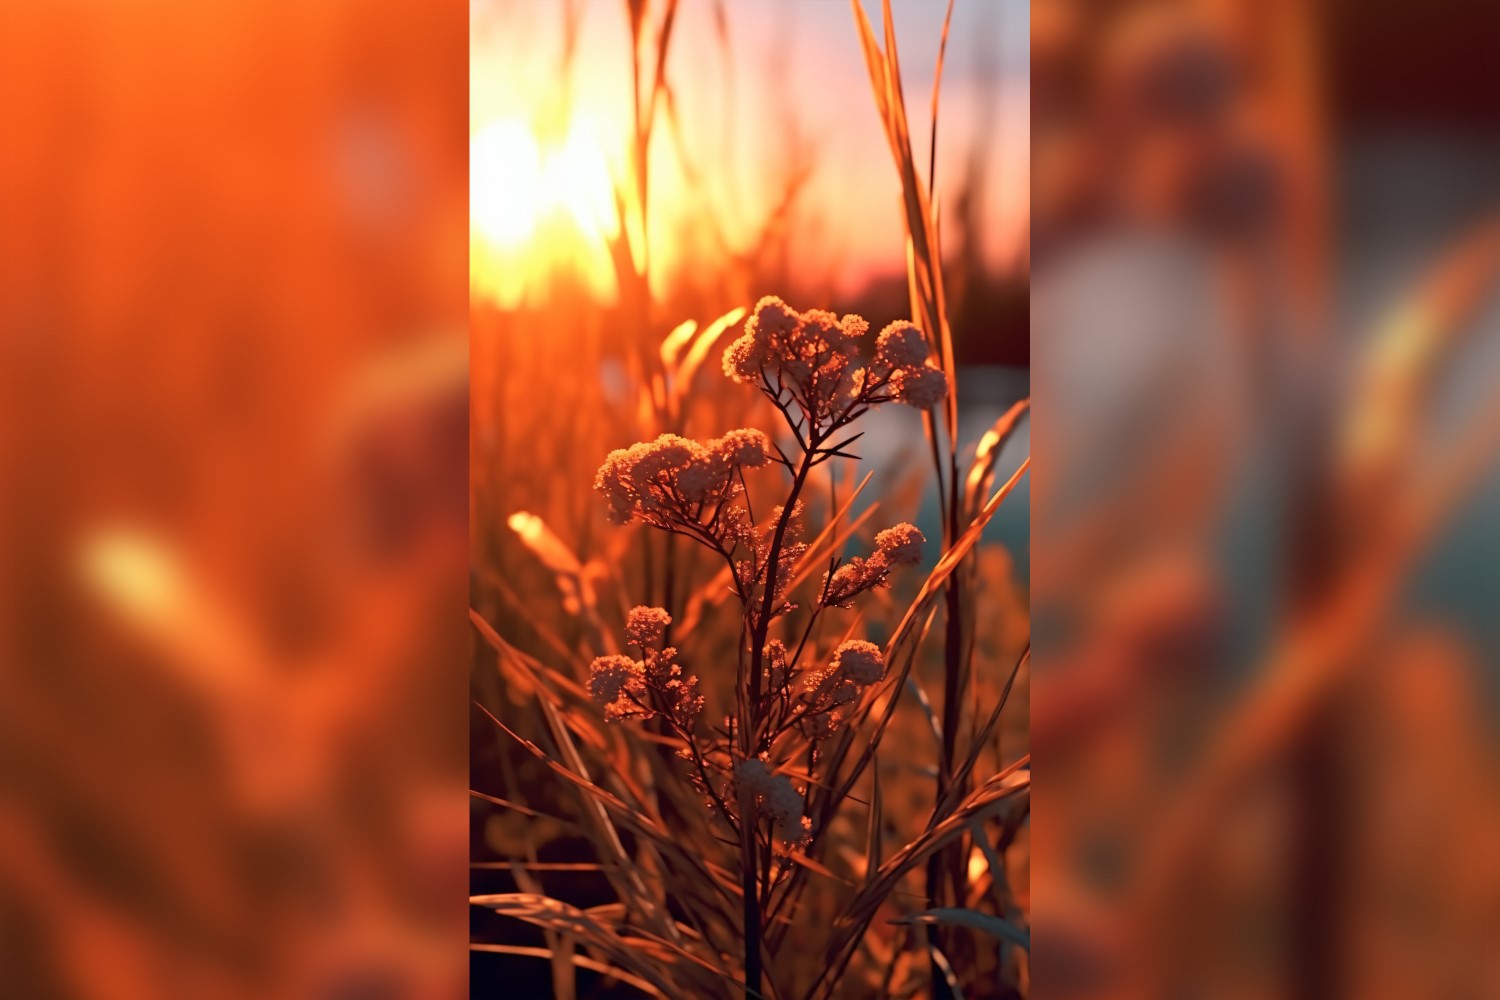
(1267, 333)
(234, 384)
(233, 400)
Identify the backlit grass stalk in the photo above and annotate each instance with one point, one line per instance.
(946, 872)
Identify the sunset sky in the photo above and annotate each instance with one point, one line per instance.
(792, 85)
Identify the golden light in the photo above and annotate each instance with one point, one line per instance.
(144, 580)
(505, 171)
(577, 180)
(540, 208)
(979, 865)
(136, 573)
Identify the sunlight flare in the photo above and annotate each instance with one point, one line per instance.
(540, 208)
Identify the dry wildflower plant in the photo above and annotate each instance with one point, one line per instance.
(731, 801)
(810, 367)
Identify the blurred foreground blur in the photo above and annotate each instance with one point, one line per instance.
(233, 374)
(234, 538)
(1266, 534)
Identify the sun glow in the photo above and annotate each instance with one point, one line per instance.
(539, 208)
(505, 165)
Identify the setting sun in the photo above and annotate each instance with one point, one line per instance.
(506, 169)
(540, 207)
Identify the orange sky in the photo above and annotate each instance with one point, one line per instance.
(793, 80)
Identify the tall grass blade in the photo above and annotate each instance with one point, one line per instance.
(976, 919)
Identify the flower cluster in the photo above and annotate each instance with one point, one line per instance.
(777, 798)
(858, 661)
(901, 544)
(646, 626)
(753, 569)
(826, 366)
(653, 685)
(821, 371)
(673, 480)
(775, 669)
(898, 545)
(619, 684)
(854, 666)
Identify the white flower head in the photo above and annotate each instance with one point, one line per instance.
(744, 357)
(901, 345)
(645, 626)
(614, 483)
(699, 478)
(745, 446)
(613, 681)
(667, 453)
(845, 582)
(858, 661)
(853, 329)
(922, 388)
(777, 796)
(901, 543)
(821, 331)
(772, 318)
